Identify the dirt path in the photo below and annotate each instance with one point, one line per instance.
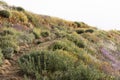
(9, 69)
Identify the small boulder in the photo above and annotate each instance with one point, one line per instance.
(6, 62)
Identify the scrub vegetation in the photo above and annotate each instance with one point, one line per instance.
(40, 47)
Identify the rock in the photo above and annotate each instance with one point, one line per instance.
(2, 72)
(26, 45)
(6, 62)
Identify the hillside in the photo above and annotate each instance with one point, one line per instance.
(40, 47)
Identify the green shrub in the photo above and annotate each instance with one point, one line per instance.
(83, 72)
(6, 32)
(33, 19)
(58, 65)
(25, 38)
(59, 61)
(40, 61)
(8, 52)
(9, 31)
(8, 41)
(59, 45)
(80, 31)
(59, 75)
(4, 13)
(45, 33)
(60, 33)
(20, 9)
(89, 30)
(92, 37)
(65, 45)
(78, 24)
(62, 28)
(78, 40)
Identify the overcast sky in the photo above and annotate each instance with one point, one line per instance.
(104, 14)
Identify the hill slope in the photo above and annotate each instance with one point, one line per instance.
(40, 47)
